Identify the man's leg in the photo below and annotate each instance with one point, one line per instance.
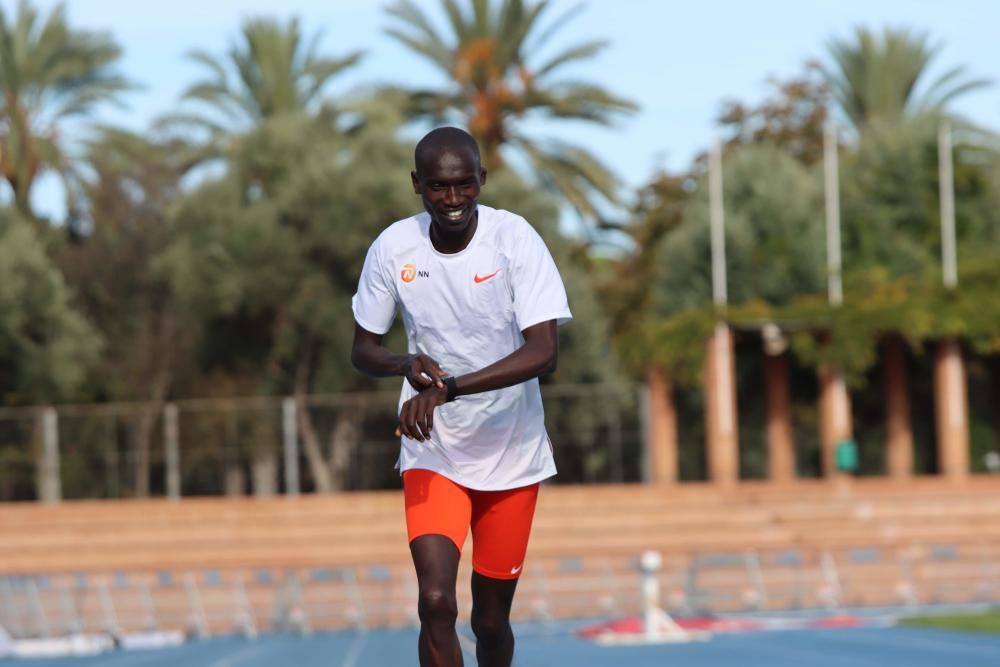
(438, 512)
(501, 525)
(435, 558)
(491, 601)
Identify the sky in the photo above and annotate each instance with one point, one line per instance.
(679, 61)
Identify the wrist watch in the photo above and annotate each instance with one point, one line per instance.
(451, 386)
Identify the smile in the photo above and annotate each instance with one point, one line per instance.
(454, 216)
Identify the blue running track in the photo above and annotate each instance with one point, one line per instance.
(856, 647)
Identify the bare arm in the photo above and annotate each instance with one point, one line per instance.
(371, 357)
(538, 356)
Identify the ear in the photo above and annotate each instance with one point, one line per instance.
(482, 177)
(415, 181)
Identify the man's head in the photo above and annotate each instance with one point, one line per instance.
(448, 178)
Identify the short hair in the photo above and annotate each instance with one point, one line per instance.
(443, 138)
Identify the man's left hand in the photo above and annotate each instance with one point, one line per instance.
(416, 417)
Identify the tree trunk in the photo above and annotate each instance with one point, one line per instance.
(310, 439)
(836, 422)
(162, 377)
(721, 422)
(780, 440)
(344, 442)
(951, 410)
(661, 424)
(899, 431)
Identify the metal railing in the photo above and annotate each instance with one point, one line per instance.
(270, 599)
(259, 445)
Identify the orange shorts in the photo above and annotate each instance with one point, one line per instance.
(500, 520)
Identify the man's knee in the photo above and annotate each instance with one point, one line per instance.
(490, 629)
(436, 605)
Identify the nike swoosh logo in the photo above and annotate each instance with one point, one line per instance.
(480, 279)
(515, 570)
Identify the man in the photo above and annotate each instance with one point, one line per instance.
(480, 299)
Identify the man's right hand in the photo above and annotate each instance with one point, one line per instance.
(422, 372)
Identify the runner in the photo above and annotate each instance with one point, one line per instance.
(481, 299)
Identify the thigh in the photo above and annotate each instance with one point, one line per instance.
(501, 525)
(435, 505)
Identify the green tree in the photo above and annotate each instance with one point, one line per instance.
(496, 85)
(890, 179)
(132, 182)
(877, 78)
(45, 344)
(271, 70)
(268, 256)
(774, 241)
(791, 118)
(49, 74)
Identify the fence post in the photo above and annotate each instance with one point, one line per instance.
(171, 438)
(615, 441)
(51, 482)
(290, 441)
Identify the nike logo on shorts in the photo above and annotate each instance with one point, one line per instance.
(481, 279)
(515, 570)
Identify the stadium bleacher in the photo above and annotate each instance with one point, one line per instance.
(209, 565)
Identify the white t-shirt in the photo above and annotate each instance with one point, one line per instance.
(467, 310)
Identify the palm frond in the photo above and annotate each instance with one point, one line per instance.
(319, 72)
(515, 26)
(539, 42)
(49, 71)
(874, 78)
(947, 87)
(210, 62)
(482, 17)
(410, 15)
(579, 101)
(183, 120)
(493, 87)
(571, 172)
(434, 51)
(462, 29)
(579, 52)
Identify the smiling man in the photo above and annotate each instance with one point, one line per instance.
(480, 298)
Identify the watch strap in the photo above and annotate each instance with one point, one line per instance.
(451, 386)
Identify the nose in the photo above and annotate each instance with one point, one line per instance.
(451, 196)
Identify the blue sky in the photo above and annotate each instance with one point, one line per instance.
(678, 60)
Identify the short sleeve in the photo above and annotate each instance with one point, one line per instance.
(374, 304)
(539, 293)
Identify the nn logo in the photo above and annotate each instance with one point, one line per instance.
(410, 272)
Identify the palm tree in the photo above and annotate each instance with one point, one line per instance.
(271, 71)
(48, 73)
(493, 86)
(875, 81)
(875, 78)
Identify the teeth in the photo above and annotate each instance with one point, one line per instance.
(457, 215)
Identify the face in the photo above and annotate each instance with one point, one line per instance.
(448, 182)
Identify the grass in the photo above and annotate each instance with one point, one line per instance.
(985, 622)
